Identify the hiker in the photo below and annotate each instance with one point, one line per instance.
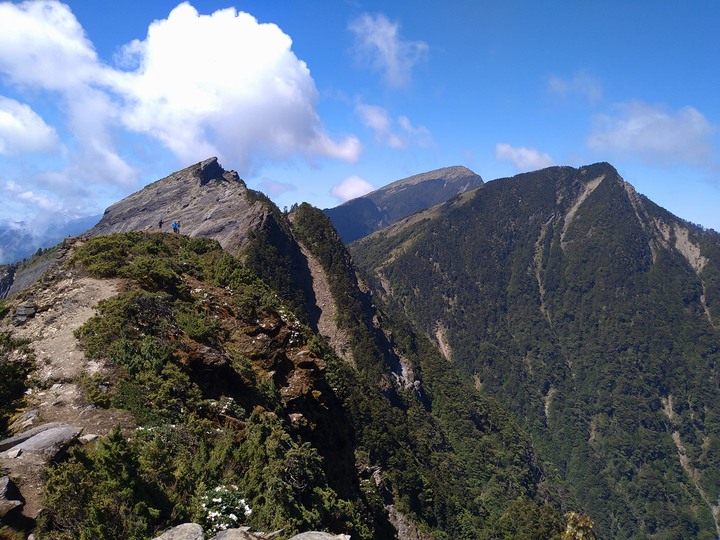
(178, 228)
(160, 224)
(175, 226)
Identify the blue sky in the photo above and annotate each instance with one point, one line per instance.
(321, 101)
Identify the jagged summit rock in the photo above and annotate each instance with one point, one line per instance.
(359, 217)
(205, 199)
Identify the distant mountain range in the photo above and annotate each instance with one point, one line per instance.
(18, 242)
(361, 216)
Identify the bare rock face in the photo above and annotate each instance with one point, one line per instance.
(205, 199)
(7, 275)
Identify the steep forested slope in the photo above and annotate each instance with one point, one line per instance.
(471, 461)
(593, 315)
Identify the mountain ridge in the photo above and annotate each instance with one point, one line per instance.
(377, 437)
(583, 307)
(386, 205)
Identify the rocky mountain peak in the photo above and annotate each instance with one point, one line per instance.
(204, 199)
(393, 202)
(210, 169)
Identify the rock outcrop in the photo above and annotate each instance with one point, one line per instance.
(205, 199)
(7, 275)
(186, 531)
(193, 531)
(26, 455)
(10, 497)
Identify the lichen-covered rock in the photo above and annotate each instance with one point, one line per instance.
(243, 533)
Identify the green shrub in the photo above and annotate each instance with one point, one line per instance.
(13, 375)
(105, 256)
(147, 354)
(133, 397)
(128, 316)
(96, 389)
(197, 326)
(101, 495)
(155, 274)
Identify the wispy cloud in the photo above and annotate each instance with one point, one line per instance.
(275, 187)
(581, 84)
(41, 201)
(351, 188)
(23, 130)
(524, 159)
(399, 133)
(418, 135)
(654, 134)
(378, 42)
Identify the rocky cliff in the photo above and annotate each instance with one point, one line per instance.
(205, 199)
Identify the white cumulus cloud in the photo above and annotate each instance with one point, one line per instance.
(524, 159)
(23, 130)
(224, 84)
(654, 134)
(43, 46)
(351, 188)
(199, 85)
(378, 41)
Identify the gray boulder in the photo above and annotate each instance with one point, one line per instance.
(47, 441)
(242, 533)
(9, 496)
(186, 531)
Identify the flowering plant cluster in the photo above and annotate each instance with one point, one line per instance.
(224, 507)
(226, 406)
